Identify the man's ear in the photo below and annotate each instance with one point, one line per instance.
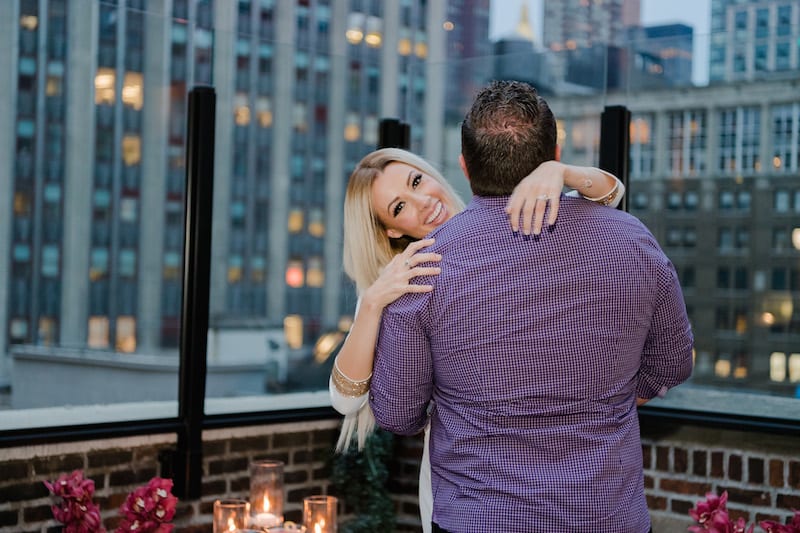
(558, 152)
(393, 234)
(463, 165)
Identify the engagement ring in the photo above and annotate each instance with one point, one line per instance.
(543, 197)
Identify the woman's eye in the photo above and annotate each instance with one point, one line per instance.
(397, 208)
(416, 180)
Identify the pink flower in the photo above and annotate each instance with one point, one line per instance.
(74, 507)
(148, 509)
(770, 526)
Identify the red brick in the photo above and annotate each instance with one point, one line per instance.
(662, 458)
(788, 501)
(656, 503)
(794, 475)
(699, 460)
(647, 456)
(680, 486)
(682, 507)
(747, 497)
(776, 473)
(680, 460)
(717, 461)
(755, 470)
(735, 467)
(649, 482)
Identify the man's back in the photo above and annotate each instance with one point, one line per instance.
(535, 347)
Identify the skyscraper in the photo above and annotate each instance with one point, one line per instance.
(751, 39)
(93, 144)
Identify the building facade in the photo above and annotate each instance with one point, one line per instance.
(94, 146)
(714, 174)
(750, 40)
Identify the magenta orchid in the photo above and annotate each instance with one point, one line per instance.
(770, 526)
(74, 506)
(712, 516)
(148, 509)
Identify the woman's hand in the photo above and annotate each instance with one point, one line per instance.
(395, 279)
(530, 198)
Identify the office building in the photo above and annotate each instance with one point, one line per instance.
(753, 40)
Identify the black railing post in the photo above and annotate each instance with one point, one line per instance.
(196, 281)
(615, 144)
(392, 133)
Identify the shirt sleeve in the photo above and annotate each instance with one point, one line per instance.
(667, 355)
(402, 380)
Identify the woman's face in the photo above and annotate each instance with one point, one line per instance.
(409, 202)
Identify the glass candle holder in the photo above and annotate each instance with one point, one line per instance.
(266, 493)
(319, 514)
(231, 515)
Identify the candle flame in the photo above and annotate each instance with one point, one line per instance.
(231, 524)
(266, 504)
(318, 528)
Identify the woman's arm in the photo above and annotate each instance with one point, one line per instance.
(353, 365)
(542, 186)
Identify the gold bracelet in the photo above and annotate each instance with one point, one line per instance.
(346, 386)
(608, 198)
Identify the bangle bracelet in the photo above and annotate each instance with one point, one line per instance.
(608, 198)
(347, 386)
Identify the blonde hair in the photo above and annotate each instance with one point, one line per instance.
(368, 249)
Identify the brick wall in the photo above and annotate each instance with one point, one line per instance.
(760, 472)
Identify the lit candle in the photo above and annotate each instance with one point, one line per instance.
(265, 519)
(318, 527)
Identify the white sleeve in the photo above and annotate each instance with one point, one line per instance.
(346, 405)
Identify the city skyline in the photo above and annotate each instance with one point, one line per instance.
(504, 16)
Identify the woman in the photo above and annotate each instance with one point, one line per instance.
(394, 198)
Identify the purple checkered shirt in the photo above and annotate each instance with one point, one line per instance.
(533, 351)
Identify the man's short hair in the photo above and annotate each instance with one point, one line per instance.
(506, 134)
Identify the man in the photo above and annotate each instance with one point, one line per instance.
(533, 352)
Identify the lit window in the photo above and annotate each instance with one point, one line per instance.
(235, 269)
(126, 334)
(241, 110)
(264, 112)
(777, 366)
(373, 37)
(352, 131)
(722, 368)
(47, 331)
(794, 368)
(131, 149)
(316, 225)
(295, 224)
(294, 274)
(293, 331)
(29, 22)
(104, 86)
(404, 46)
(355, 28)
(421, 50)
(132, 94)
(98, 332)
(315, 277)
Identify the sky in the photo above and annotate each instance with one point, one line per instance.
(696, 13)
